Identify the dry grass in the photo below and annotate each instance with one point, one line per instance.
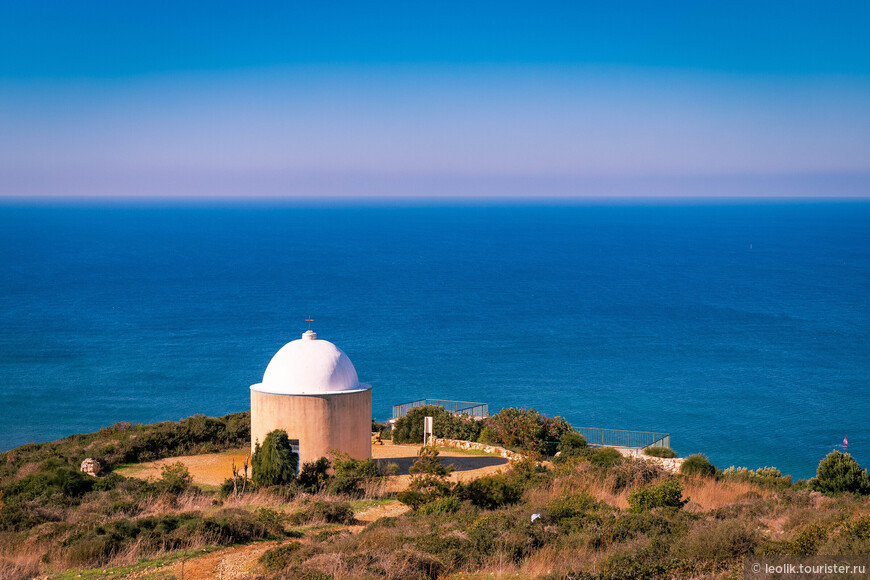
(552, 559)
(209, 469)
(260, 499)
(19, 565)
(708, 494)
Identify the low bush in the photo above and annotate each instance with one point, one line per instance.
(664, 452)
(174, 478)
(279, 558)
(314, 475)
(444, 505)
(351, 474)
(391, 469)
(606, 457)
(573, 511)
(53, 481)
(571, 445)
(718, 541)
(805, 542)
(629, 473)
(96, 546)
(698, 464)
(839, 473)
(768, 477)
(666, 494)
(429, 481)
(318, 510)
(492, 491)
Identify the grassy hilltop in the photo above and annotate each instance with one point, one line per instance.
(568, 511)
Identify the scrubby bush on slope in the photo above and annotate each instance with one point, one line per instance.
(666, 494)
(840, 473)
(698, 465)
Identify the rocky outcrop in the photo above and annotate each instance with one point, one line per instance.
(91, 467)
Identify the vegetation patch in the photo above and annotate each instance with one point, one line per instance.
(663, 452)
(698, 465)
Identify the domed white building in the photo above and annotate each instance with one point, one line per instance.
(311, 390)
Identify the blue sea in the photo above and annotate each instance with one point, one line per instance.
(741, 328)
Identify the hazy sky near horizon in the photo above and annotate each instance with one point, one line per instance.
(439, 99)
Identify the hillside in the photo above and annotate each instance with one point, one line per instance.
(590, 513)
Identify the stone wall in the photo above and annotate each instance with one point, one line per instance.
(671, 464)
(472, 446)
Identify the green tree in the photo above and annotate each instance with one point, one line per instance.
(840, 473)
(275, 462)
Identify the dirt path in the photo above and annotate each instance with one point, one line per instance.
(228, 564)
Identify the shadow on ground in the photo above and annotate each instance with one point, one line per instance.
(459, 463)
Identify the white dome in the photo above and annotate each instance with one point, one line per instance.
(309, 366)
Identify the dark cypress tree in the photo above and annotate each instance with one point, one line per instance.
(274, 462)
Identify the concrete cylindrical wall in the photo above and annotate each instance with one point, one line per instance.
(321, 423)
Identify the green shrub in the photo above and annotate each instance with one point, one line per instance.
(808, 541)
(665, 452)
(572, 444)
(606, 457)
(350, 474)
(275, 462)
(526, 429)
(391, 469)
(698, 464)
(51, 481)
(174, 478)
(718, 541)
(839, 473)
(429, 481)
(666, 494)
(572, 510)
(488, 436)
(492, 491)
(330, 512)
(444, 505)
(314, 475)
(409, 429)
(769, 477)
(276, 559)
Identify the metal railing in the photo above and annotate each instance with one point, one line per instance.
(478, 410)
(622, 438)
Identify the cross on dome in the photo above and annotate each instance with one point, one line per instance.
(309, 320)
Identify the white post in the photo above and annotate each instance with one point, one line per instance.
(427, 430)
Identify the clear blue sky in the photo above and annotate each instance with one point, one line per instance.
(441, 98)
